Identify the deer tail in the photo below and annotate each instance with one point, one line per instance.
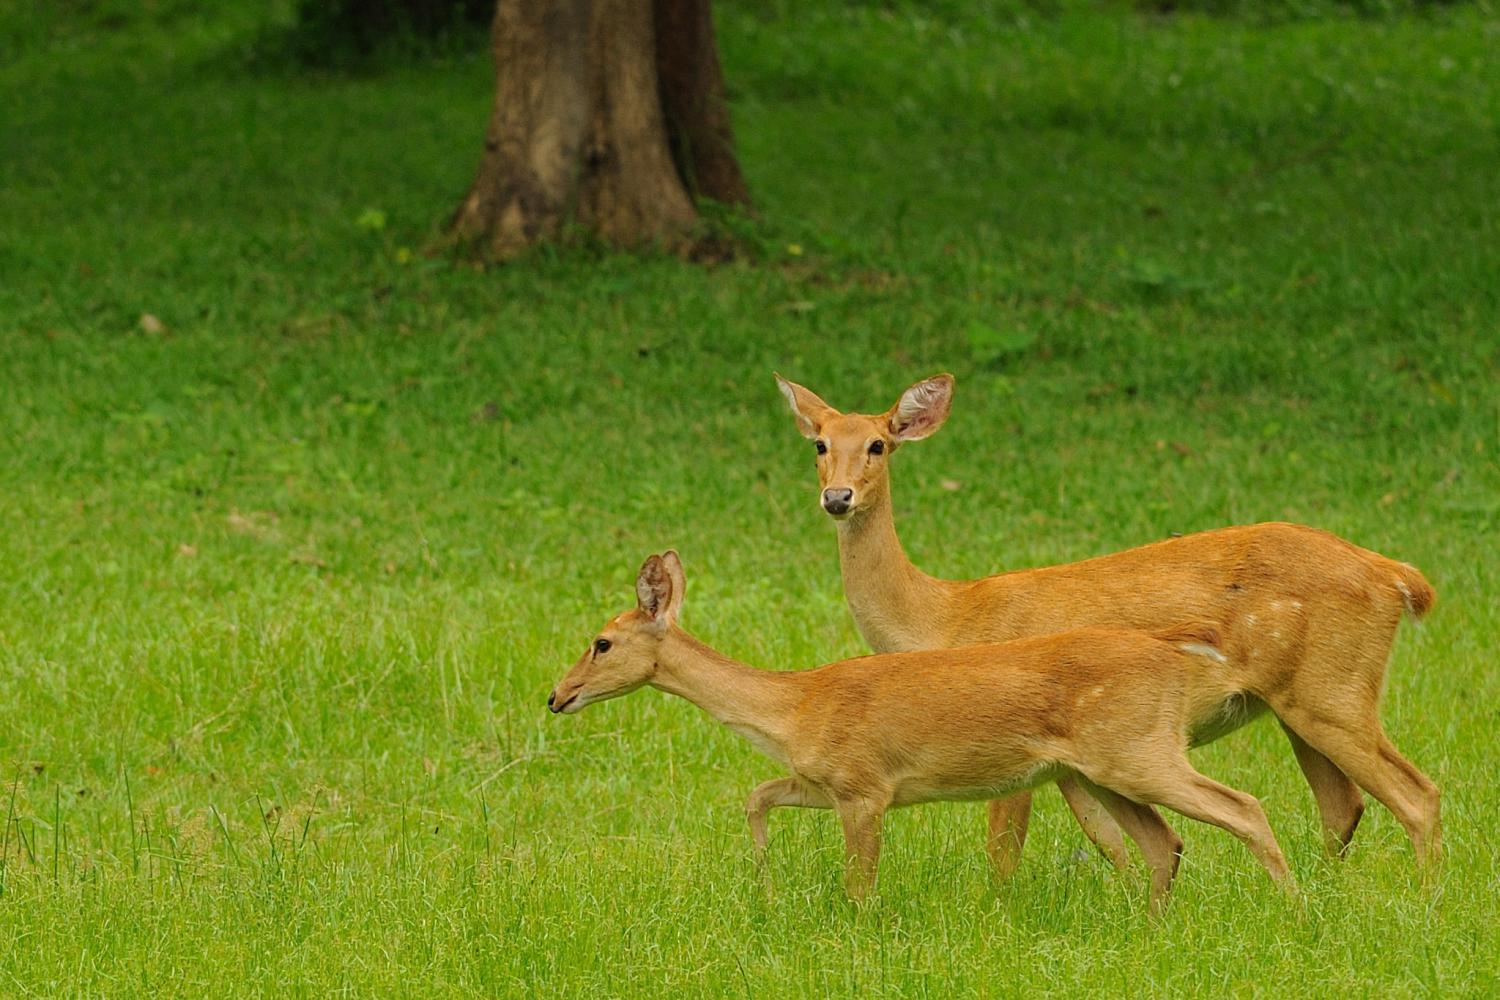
(1416, 593)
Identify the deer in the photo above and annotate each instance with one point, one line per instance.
(1307, 622)
(1112, 710)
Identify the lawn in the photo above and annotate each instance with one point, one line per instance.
(292, 564)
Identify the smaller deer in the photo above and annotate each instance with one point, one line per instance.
(1112, 709)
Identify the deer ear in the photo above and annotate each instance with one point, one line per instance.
(810, 411)
(921, 409)
(653, 591)
(672, 563)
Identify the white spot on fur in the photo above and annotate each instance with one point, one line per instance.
(1198, 649)
(1250, 621)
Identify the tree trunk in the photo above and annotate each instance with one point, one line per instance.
(692, 95)
(609, 114)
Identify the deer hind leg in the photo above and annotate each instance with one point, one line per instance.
(1160, 845)
(778, 792)
(1183, 790)
(1363, 752)
(1095, 819)
(1340, 802)
(861, 819)
(1008, 820)
(1333, 704)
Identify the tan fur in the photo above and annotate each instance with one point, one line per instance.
(1307, 619)
(1109, 709)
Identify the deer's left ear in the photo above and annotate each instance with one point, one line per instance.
(921, 409)
(659, 588)
(672, 563)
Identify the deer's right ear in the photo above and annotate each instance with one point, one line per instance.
(809, 410)
(654, 592)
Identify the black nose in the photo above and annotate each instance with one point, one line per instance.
(837, 501)
(551, 698)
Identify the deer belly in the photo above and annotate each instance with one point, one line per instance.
(1229, 715)
(962, 787)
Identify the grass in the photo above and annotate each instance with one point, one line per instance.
(290, 574)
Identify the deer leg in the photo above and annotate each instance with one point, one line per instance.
(1094, 818)
(1340, 802)
(1364, 753)
(778, 792)
(1009, 818)
(1159, 843)
(861, 819)
(1182, 789)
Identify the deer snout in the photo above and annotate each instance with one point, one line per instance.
(559, 701)
(838, 500)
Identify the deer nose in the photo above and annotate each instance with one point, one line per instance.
(837, 501)
(552, 697)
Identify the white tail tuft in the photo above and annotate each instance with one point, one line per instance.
(1406, 598)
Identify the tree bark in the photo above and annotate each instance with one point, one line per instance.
(536, 129)
(692, 96)
(580, 130)
(630, 192)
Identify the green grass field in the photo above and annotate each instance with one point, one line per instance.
(287, 580)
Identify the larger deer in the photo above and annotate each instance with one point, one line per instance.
(1110, 710)
(1307, 619)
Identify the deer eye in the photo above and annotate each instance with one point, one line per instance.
(601, 645)
(822, 448)
(877, 447)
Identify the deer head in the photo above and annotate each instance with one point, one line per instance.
(853, 448)
(623, 655)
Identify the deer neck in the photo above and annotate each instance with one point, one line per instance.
(757, 704)
(896, 606)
